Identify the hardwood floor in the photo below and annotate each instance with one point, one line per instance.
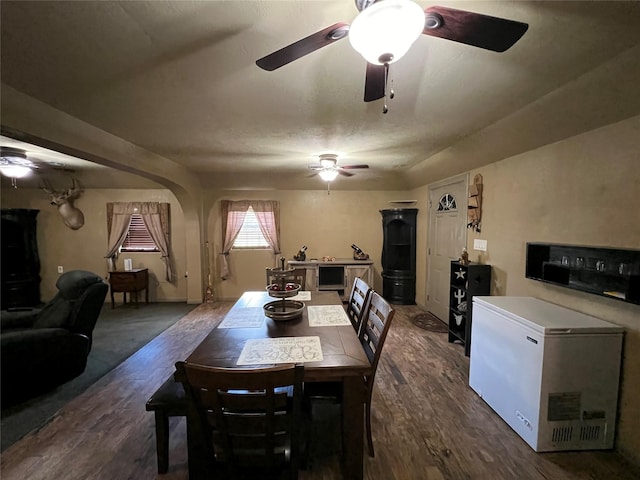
(427, 423)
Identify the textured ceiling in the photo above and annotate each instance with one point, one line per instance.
(179, 79)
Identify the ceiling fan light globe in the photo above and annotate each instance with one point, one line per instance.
(15, 171)
(328, 175)
(384, 32)
(327, 163)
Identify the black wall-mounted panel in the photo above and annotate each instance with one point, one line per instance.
(609, 272)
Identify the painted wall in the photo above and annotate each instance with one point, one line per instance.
(583, 190)
(85, 248)
(327, 224)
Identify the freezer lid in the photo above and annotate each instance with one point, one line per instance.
(544, 317)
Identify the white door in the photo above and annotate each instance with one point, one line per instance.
(446, 237)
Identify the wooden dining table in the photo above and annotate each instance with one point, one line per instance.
(343, 360)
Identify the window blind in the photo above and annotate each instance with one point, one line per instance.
(138, 238)
(250, 235)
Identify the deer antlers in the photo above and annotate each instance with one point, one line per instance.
(57, 198)
(72, 216)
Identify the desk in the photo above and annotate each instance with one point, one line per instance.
(132, 281)
(343, 360)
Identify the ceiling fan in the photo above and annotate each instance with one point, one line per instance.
(14, 163)
(328, 168)
(384, 30)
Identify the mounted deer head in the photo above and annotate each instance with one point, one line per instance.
(72, 217)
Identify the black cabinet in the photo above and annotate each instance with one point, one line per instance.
(609, 272)
(466, 281)
(20, 259)
(399, 255)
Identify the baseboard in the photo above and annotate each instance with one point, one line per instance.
(163, 300)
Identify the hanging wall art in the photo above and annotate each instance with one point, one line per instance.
(474, 213)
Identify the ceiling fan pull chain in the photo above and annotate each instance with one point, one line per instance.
(385, 108)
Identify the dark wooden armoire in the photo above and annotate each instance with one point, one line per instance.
(20, 263)
(399, 255)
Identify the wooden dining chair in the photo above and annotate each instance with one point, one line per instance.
(297, 275)
(376, 322)
(250, 418)
(373, 333)
(357, 301)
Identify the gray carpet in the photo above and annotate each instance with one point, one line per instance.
(118, 334)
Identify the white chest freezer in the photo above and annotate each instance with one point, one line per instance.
(551, 373)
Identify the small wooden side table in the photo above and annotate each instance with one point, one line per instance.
(132, 281)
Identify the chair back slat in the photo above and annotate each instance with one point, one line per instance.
(357, 301)
(251, 417)
(375, 326)
(253, 399)
(241, 423)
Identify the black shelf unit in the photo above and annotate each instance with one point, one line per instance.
(20, 260)
(466, 281)
(399, 255)
(608, 272)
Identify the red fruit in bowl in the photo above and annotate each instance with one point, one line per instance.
(274, 286)
(290, 286)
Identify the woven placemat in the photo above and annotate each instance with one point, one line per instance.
(429, 321)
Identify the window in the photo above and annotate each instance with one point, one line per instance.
(241, 227)
(447, 203)
(250, 235)
(138, 238)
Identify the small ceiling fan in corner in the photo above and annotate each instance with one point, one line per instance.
(384, 30)
(328, 168)
(15, 164)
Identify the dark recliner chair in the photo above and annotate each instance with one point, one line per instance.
(44, 348)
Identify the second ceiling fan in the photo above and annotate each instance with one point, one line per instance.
(328, 168)
(384, 30)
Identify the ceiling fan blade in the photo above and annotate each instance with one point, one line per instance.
(346, 174)
(475, 29)
(303, 47)
(374, 83)
(354, 166)
(316, 166)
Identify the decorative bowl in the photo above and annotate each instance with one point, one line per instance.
(283, 309)
(279, 293)
(281, 272)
